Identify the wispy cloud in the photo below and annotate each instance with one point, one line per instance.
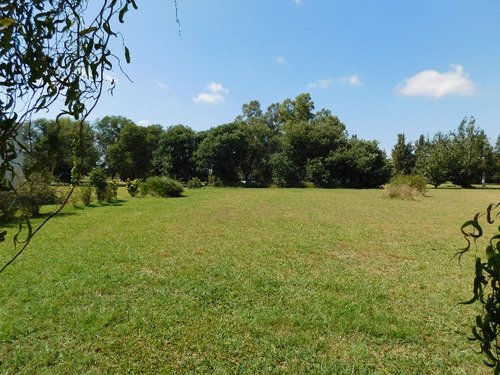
(216, 88)
(161, 85)
(209, 98)
(144, 123)
(434, 84)
(323, 83)
(281, 60)
(298, 1)
(214, 94)
(352, 80)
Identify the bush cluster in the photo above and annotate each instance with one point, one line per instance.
(194, 183)
(405, 187)
(105, 191)
(161, 186)
(132, 187)
(31, 195)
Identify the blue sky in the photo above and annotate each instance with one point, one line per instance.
(383, 67)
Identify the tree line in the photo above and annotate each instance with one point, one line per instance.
(287, 145)
(463, 156)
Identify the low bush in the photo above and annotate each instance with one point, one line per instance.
(85, 194)
(405, 187)
(132, 187)
(194, 183)
(215, 181)
(34, 193)
(112, 191)
(8, 205)
(308, 185)
(162, 187)
(99, 181)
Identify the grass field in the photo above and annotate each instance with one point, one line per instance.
(246, 281)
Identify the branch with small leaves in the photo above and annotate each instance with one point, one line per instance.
(486, 289)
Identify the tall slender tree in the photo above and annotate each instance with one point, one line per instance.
(403, 156)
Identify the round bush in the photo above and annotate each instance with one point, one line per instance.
(162, 187)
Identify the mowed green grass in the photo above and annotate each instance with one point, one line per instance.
(246, 281)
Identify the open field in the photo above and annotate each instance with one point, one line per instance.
(246, 281)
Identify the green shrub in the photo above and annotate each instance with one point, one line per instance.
(308, 185)
(162, 187)
(99, 181)
(112, 191)
(8, 205)
(132, 187)
(194, 183)
(85, 194)
(215, 181)
(34, 193)
(405, 187)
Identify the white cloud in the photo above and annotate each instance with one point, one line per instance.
(323, 83)
(298, 1)
(437, 85)
(352, 80)
(216, 88)
(144, 123)
(209, 98)
(214, 96)
(161, 85)
(281, 60)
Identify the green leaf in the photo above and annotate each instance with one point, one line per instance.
(6, 22)
(127, 55)
(474, 224)
(106, 28)
(122, 13)
(87, 31)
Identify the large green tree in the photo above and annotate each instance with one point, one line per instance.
(222, 152)
(262, 140)
(432, 159)
(132, 155)
(403, 156)
(108, 131)
(496, 155)
(307, 138)
(470, 155)
(175, 153)
(55, 144)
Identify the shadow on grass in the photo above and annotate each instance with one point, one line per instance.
(118, 202)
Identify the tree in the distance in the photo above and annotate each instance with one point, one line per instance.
(174, 156)
(432, 159)
(471, 155)
(403, 157)
(108, 131)
(132, 155)
(222, 152)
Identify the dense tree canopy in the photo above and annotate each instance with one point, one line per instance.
(52, 145)
(288, 145)
(470, 155)
(175, 153)
(108, 131)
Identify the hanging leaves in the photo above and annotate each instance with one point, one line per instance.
(51, 51)
(486, 285)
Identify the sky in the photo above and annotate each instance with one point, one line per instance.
(382, 66)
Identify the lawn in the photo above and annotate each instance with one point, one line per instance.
(246, 281)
